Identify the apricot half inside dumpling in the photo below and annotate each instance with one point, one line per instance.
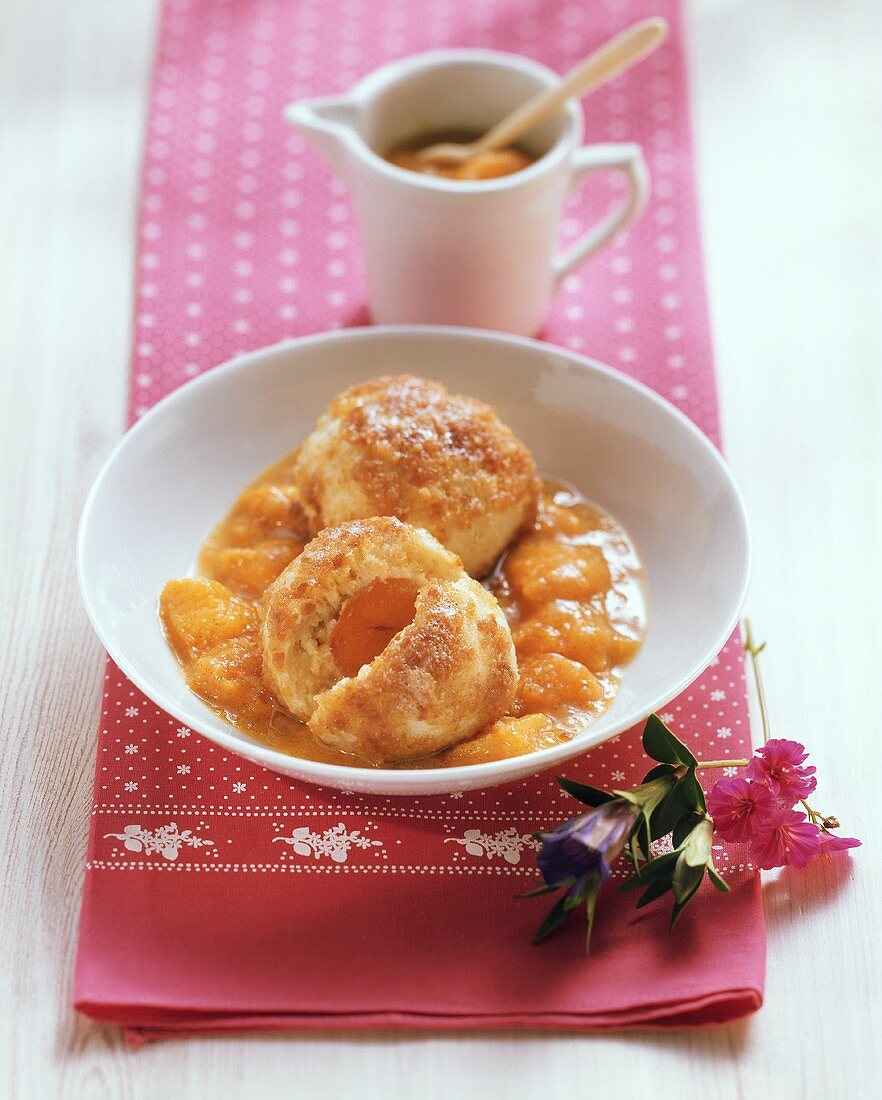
(379, 640)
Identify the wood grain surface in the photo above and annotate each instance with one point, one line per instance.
(788, 105)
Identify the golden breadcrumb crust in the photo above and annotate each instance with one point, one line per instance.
(444, 676)
(404, 446)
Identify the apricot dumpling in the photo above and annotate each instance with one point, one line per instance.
(390, 674)
(403, 446)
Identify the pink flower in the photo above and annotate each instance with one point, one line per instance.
(779, 765)
(831, 843)
(785, 838)
(737, 806)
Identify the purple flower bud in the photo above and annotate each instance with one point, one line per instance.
(588, 844)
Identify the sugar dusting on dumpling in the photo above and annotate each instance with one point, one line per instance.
(403, 446)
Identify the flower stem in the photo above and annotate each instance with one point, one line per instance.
(754, 651)
(823, 821)
(723, 763)
(814, 816)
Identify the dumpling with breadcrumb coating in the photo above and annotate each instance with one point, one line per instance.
(404, 446)
(379, 640)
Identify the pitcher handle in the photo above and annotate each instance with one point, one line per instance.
(627, 159)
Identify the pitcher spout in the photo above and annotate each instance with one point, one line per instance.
(328, 123)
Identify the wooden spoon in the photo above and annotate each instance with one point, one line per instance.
(620, 53)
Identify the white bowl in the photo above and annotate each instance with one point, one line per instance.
(176, 473)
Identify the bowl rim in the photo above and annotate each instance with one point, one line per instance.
(388, 780)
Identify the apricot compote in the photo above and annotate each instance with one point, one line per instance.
(571, 588)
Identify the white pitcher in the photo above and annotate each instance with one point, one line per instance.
(478, 253)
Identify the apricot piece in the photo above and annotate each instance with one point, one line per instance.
(199, 614)
(540, 569)
(369, 621)
(567, 628)
(505, 738)
(262, 510)
(555, 519)
(551, 680)
(250, 570)
(491, 165)
(229, 678)
(622, 649)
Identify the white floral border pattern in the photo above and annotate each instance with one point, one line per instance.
(507, 844)
(320, 846)
(334, 843)
(167, 840)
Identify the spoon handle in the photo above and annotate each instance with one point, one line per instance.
(620, 53)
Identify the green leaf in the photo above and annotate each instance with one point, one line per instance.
(669, 811)
(658, 771)
(590, 796)
(694, 858)
(686, 879)
(574, 900)
(684, 827)
(648, 795)
(652, 871)
(681, 904)
(546, 889)
(693, 795)
(556, 917)
(590, 906)
(675, 913)
(641, 834)
(718, 880)
(660, 744)
(631, 853)
(653, 892)
(696, 848)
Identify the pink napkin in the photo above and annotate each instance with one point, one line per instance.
(222, 896)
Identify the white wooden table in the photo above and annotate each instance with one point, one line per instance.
(788, 102)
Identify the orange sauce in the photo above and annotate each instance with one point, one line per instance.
(483, 166)
(571, 588)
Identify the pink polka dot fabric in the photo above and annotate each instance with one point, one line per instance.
(219, 895)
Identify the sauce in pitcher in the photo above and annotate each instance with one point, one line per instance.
(483, 166)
